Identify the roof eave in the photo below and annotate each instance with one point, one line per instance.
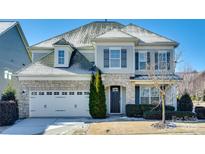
(175, 44)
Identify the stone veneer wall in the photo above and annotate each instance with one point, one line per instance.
(121, 80)
(23, 98)
(108, 80)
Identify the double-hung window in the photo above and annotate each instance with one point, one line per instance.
(142, 60)
(149, 95)
(115, 58)
(61, 57)
(162, 56)
(154, 95)
(144, 95)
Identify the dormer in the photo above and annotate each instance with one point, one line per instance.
(62, 53)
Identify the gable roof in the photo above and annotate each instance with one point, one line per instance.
(146, 36)
(83, 36)
(115, 34)
(62, 42)
(78, 65)
(7, 25)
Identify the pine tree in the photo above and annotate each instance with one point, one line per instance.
(97, 100)
(100, 89)
(92, 97)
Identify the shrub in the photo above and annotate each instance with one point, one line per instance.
(185, 103)
(200, 112)
(157, 115)
(8, 112)
(9, 93)
(97, 105)
(133, 110)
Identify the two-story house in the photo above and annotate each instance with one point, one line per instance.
(57, 83)
(13, 51)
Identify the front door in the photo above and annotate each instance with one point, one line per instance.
(115, 99)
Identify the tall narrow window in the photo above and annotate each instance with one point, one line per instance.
(7, 75)
(61, 57)
(154, 95)
(144, 95)
(162, 58)
(115, 58)
(142, 60)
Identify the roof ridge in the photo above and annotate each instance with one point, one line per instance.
(71, 31)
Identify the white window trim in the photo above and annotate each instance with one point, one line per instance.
(109, 101)
(144, 52)
(114, 48)
(61, 57)
(150, 94)
(162, 52)
(7, 75)
(66, 57)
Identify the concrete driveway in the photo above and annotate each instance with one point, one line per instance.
(58, 126)
(52, 126)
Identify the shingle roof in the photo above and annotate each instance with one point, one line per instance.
(62, 42)
(78, 65)
(83, 36)
(114, 33)
(145, 35)
(5, 25)
(158, 77)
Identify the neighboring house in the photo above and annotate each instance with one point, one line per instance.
(199, 85)
(13, 51)
(57, 83)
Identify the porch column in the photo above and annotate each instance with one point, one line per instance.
(130, 93)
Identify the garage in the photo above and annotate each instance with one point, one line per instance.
(59, 104)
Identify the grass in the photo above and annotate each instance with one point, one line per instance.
(143, 127)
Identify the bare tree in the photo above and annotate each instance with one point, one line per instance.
(199, 85)
(163, 80)
(187, 84)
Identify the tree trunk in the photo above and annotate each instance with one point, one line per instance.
(163, 109)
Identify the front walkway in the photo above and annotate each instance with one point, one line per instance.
(58, 126)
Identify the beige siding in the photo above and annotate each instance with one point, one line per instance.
(100, 59)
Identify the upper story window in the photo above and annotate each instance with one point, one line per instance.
(142, 60)
(162, 60)
(115, 59)
(61, 57)
(7, 75)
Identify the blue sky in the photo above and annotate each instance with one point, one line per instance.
(189, 33)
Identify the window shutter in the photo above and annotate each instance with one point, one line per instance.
(156, 60)
(168, 60)
(136, 60)
(123, 58)
(106, 58)
(148, 60)
(137, 94)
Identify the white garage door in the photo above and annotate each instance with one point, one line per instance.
(59, 104)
